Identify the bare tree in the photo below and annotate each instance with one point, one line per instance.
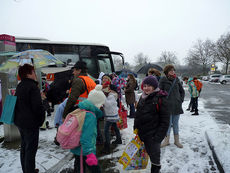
(168, 57)
(117, 61)
(201, 54)
(140, 60)
(223, 50)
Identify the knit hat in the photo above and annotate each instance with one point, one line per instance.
(96, 96)
(150, 80)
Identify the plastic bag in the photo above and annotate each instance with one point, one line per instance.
(130, 151)
(140, 160)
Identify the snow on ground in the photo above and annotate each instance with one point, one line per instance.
(195, 157)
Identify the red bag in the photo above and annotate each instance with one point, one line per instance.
(122, 123)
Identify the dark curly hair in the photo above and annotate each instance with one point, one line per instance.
(24, 70)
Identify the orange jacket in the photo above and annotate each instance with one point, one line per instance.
(90, 85)
(198, 84)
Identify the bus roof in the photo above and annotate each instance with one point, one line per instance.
(46, 41)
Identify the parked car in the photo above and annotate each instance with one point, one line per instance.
(205, 78)
(214, 77)
(224, 79)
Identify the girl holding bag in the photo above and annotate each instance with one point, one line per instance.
(152, 119)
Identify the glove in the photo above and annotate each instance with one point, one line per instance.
(91, 159)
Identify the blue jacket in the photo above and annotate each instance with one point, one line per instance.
(89, 130)
(192, 88)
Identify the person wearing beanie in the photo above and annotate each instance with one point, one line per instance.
(152, 119)
(130, 94)
(111, 118)
(173, 86)
(92, 104)
(81, 85)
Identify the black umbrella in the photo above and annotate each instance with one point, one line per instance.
(124, 73)
(146, 67)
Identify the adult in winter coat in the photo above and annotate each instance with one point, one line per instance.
(29, 116)
(88, 137)
(130, 94)
(152, 119)
(172, 85)
(82, 84)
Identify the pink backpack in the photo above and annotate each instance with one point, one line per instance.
(69, 132)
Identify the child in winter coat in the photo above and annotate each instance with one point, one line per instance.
(194, 93)
(111, 117)
(95, 100)
(152, 119)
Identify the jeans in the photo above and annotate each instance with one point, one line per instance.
(77, 166)
(174, 122)
(106, 131)
(153, 150)
(29, 146)
(132, 110)
(59, 113)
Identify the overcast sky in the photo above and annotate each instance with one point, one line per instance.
(127, 26)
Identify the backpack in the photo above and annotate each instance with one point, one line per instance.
(198, 85)
(69, 133)
(157, 101)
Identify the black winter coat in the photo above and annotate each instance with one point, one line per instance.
(176, 97)
(150, 121)
(29, 111)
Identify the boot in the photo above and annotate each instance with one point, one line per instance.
(196, 113)
(165, 142)
(117, 141)
(155, 169)
(176, 141)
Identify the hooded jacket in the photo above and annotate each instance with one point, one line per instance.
(89, 130)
